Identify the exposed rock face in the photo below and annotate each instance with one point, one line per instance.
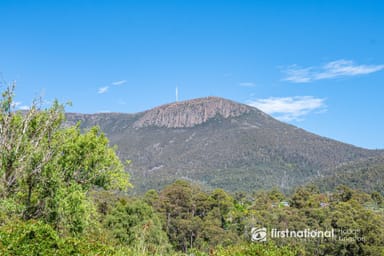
(190, 113)
(219, 143)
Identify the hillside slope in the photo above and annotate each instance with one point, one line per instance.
(366, 174)
(219, 143)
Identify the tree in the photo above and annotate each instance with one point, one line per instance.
(177, 209)
(135, 223)
(305, 197)
(46, 169)
(195, 219)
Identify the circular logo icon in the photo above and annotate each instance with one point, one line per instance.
(259, 234)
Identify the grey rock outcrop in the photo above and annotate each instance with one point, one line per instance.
(190, 113)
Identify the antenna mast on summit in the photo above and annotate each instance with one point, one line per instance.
(177, 94)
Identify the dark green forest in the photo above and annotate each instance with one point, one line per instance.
(64, 191)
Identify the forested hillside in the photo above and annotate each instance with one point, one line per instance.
(64, 192)
(219, 143)
(366, 174)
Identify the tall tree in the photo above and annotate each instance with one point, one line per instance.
(46, 169)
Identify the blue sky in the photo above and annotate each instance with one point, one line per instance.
(316, 64)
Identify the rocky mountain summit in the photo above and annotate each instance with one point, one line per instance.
(190, 113)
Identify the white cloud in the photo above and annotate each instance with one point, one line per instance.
(346, 68)
(247, 84)
(333, 69)
(297, 75)
(103, 90)
(18, 105)
(24, 107)
(121, 82)
(290, 108)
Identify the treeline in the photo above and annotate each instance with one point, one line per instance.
(63, 192)
(217, 223)
(182, 219)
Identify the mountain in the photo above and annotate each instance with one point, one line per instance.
(365, 174)
(219, 143)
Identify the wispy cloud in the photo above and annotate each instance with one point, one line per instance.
(247, 84)
(333, 69)
(120, 82)
(18, 105)
(105, 89)
(290, 108)
(296, 74)
(102, 90)
(24, 107)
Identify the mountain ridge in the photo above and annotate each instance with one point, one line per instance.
(219, 143)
